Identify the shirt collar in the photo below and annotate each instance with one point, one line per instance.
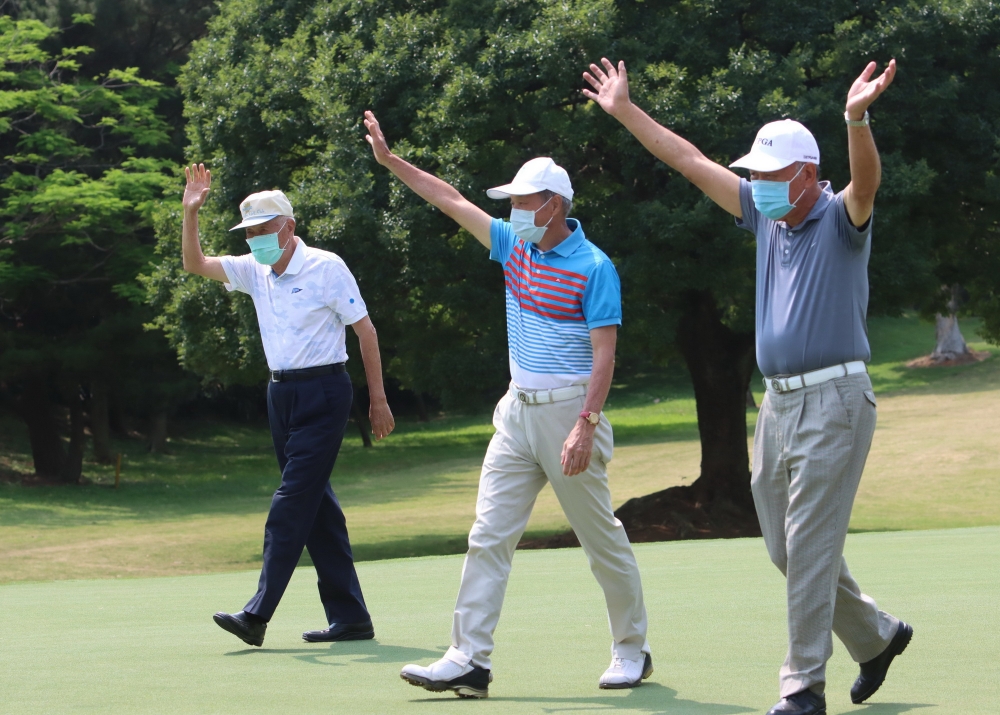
(821, 205)
(298, 259)
(572, 241)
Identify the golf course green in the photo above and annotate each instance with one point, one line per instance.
(716, 629)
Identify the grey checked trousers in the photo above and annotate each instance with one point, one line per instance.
(810, 448)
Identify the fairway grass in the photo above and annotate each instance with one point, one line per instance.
(717, 632)
(935, 463)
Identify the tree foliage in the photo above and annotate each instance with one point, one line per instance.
(471, 89)
(78, 186)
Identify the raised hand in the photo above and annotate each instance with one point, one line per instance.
(199, 182)
(375, 137)
(611, 85)
(864, 91)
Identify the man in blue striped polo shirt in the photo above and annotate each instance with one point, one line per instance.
(563, 313)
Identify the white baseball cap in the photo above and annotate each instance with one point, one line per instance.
(263, 206)
(539, 174)
(780, 144)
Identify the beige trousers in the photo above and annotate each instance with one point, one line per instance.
(810, 448)
(523, 455)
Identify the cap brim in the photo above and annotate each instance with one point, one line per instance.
(760, 162)
(255, 221)
(513, 189)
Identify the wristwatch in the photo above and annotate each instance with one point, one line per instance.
(591, 417)
(863, 122)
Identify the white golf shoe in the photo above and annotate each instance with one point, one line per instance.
(467, 681)
(624, 673)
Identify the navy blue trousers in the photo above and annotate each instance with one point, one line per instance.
(308, 418)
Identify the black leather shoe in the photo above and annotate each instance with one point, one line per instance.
(873, 671)
(249, 631)
(805, 702)
(341, 632)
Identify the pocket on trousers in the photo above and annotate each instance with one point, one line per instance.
(843, 394)
(870, 396)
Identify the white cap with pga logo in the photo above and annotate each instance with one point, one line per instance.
(539, 174)
(263, 206)
(780, 144)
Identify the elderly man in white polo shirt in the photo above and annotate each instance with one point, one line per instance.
(563, 313)
(304, 297)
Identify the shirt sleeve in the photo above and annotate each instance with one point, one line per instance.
(751, 216)
(602, 298)
(501, 240)
(239, 272)
(343, 296)
(856, 237)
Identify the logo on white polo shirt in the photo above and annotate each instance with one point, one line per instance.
(296, 290)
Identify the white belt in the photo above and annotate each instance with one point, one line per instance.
(806, 379)
(541, 397)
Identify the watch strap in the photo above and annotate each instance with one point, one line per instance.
(863, 122)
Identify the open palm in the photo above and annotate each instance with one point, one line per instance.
(610, 83)
(865, 90)
(199, 182)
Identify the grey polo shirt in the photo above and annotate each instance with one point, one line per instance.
(812, 286)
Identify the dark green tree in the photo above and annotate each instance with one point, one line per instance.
(470, 90)
(77, 191)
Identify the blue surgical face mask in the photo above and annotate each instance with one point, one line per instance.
(771, 197)
(522, 222)
(265, 248)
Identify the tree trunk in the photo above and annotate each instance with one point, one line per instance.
(118, 421)
(422, 414)
(719, 503)
(34, 406)
(721, 362)
(72, 469)
(359, 419)
(100, 427)
(950, 343)
(158, 432)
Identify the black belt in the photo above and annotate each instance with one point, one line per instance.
(307, 372)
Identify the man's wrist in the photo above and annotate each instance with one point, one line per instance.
(854, 116)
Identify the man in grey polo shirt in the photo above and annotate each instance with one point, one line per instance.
(818, 416)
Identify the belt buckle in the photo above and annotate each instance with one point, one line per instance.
(522, 396)
(275, 375)
(776, 384)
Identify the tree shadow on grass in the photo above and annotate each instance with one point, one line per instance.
(370, 651)
(650, 698)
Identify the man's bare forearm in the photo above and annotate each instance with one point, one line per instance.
(866, 167)
(372, 359)
(603, 371)
(716, 181)
(195, 261)
(673, 150)
(190, 245)
(427, 186)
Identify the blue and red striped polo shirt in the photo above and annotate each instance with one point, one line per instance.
(554, 299)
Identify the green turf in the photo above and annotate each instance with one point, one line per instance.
(716, 629)
(201, 508)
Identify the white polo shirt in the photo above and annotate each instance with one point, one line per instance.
(302, 312)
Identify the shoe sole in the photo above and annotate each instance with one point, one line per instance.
(901, 646)
(437, 686)
(366, 636)
(230, 628)
(622, 686)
